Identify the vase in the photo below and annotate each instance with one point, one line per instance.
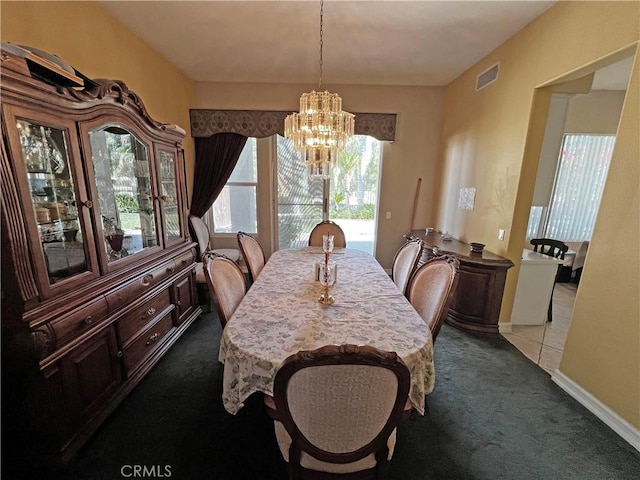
(115, 241)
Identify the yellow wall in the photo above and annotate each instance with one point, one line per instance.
(87, 37)
(413, 155)
(491, 140)
(596, 112)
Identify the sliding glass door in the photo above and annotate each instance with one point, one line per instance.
(349, 198)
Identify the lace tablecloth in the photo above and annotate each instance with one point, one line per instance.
(280, 315)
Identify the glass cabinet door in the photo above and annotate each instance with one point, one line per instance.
(169, 196)
(53, 193)
(124, 191)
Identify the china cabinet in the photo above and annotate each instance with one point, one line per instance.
(98, 272)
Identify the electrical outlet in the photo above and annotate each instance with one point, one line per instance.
(388, 216)
(501, 234)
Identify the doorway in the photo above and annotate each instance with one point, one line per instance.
(594, 111)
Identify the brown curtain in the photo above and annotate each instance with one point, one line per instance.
(216, 157)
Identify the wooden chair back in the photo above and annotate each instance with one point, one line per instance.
(550, 247)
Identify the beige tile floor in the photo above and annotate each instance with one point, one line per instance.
(544, 344)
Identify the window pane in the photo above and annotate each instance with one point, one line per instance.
(235, 210)
(125, 191)
(535, 219)
(299, 198)
(582, 172)
(246, 170)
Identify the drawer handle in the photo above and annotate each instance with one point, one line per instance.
(149, 313)
(88, 320)
(119, 354)
(170, 269)
(178, 303)
(146, 280)
(153, 338)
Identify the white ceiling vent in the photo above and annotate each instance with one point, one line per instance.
(487, 77)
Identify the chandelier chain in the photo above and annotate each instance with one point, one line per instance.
(321, 130)
(321, 41)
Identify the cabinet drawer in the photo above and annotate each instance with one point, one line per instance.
(147, 342)
(147, 312)
(69, 326)
(184, 260)
(139, 286)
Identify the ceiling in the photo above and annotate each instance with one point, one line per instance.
(365, 42)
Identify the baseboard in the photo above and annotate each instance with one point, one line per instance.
(618, 424)
(505, 327)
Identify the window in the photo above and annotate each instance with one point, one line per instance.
(580, 178)
(235, 209)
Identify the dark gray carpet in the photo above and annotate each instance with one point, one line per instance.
(493, 415)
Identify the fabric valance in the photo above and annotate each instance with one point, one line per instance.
(259, 124)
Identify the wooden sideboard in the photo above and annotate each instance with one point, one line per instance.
(478, 298)
(98, 268)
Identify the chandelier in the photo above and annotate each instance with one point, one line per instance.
(321, 129)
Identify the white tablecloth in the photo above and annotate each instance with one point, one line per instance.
(280, 315)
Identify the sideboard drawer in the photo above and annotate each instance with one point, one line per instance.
(135, 321)
(69, 326)
(142, 284)
(147, 342)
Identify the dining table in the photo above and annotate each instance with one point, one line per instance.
(280, 315)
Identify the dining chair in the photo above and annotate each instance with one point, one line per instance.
(339, 239)
(431, 289)
(405, 262)
(552, 248)
(200, 234)
(227, 285)
(336, 409)
(252, 253)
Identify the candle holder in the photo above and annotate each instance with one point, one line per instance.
(327, 271)
(327, 278)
